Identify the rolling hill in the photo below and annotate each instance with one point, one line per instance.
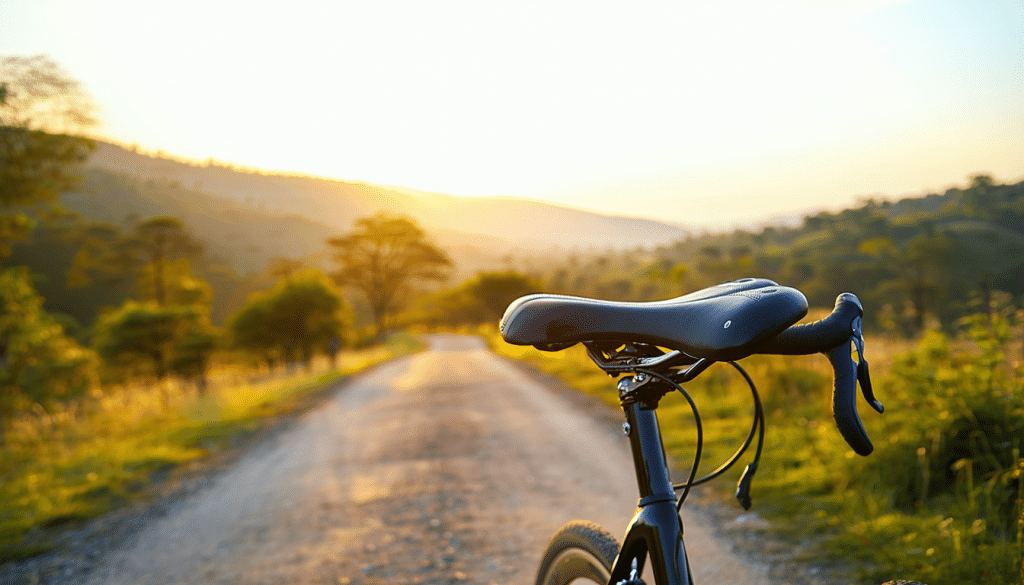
(500, 226)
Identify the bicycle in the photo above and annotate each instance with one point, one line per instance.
(722, 323)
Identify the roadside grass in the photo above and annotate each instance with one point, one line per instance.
(63, 467)
(877, 513)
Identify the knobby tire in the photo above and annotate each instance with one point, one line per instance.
(579, 550)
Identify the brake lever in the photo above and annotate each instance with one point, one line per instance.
(863, 376)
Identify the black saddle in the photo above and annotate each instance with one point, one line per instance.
(723, 322)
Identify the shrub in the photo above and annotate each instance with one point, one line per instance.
(954, 454)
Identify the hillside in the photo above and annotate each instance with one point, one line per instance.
(513, 225)
(917, 261)
(246, 219)
(244, 236)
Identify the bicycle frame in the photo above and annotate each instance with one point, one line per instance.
(656, 528)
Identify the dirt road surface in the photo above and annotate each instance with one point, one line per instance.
(449, 466)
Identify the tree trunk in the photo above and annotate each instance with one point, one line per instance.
(159, 287)
(379, 324)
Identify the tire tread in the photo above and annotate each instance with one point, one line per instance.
(581, 534)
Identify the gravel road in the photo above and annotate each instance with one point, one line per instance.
(448, 466)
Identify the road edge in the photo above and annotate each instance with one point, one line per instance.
(78, 550)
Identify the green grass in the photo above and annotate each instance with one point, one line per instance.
(65, 467)
(870, 511)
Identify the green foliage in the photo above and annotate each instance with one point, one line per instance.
(34, 167)
(37, 159)
(382, 258)
(173, 282)
(83, 267)
(481, 299)
(959, 460)
(947, 485)
(291, 321)
(494, 291)
(978, 402)
(193, 352)
(13, 227)
(916, 262)
(38, 362)
(156, 243)
(149, 340)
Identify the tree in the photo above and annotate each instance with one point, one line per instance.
(159, 241)
(38, 362)
(925, 265)
(975, 197)
(293, 319)
(382, 257)
(494, 291)
(251, 328)
(167, 333)
(145, 339)
(192, 353)
(39, 105)
(481, 299)
(37, 94)
(100, 257)
(158, 253)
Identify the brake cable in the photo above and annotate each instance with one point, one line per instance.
(700, 434)
(757, 426)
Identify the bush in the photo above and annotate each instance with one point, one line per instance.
(302, 315)
(956, 439)
(482, 299)
(38, 362)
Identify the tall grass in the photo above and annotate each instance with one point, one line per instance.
(941, 500)
(77, 460)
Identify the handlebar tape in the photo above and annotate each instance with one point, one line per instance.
(819, 336)
(844, 400)
(832, 336)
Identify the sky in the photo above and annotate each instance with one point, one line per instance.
(714, 114)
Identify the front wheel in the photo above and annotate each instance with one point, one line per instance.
(579, 550)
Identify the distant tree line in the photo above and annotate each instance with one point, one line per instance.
(916, 263)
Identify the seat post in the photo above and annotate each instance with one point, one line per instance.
(656, 529)
(645, 441)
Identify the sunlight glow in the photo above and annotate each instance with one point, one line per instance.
(565, 101)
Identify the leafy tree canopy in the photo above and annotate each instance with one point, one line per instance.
(382, 257)
(482, 299)
(39, 105)
(146, 339)
(37, 360)
(37, 94)
(291, 321)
